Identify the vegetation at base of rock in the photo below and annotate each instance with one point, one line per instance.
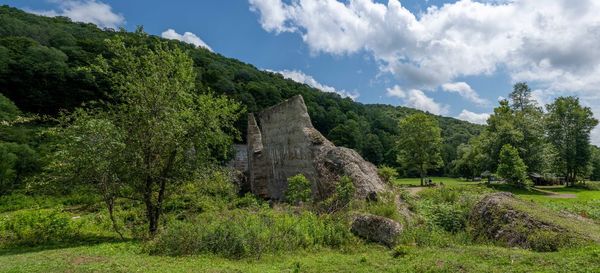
(387, 173)
(298, 189)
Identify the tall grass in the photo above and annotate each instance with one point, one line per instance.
(243, 233)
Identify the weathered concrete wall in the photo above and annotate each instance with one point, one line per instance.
(240, 161)
(286, 146)
(284, 143)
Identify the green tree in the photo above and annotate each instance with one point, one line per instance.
(420, 143)
(521, 97)
(595, 164)
(528, 120)
(162, 131)
(511, 167)
(568, 125)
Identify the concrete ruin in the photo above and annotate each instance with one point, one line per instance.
(282, 142)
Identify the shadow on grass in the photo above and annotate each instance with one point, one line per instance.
(82, 240)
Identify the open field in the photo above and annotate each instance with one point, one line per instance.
(100, 250)
(447, 181)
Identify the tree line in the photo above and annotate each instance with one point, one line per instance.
(41, 61)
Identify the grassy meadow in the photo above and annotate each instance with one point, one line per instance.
(431, 244)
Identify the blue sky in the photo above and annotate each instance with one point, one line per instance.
(454, 58)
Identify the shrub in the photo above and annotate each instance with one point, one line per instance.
(239, 233)
(298, 190)
(387, 173)
(341, 198)
(448, 217)
(34, 227)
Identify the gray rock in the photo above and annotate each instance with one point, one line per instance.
(283, 143)
(376, 229)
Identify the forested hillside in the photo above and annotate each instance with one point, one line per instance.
(41, 62)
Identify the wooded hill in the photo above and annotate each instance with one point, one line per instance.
(40, 71)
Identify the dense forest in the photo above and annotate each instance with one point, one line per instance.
(41, 61)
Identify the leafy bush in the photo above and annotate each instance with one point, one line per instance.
(511, 166)
(239, 233)
(387, 173)
(33, 227)
(299, 189)
(449, 217)
(341, 198)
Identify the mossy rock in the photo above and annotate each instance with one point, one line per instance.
(509, 221)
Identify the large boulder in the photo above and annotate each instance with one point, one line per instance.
(513, 222)
(377, 229)
(282, 142)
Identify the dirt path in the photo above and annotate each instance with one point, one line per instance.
(552, 194)
(414, 190)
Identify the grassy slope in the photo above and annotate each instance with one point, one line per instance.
(126, 257)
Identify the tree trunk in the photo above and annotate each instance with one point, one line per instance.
(110, 203)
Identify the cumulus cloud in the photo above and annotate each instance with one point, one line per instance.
(87, 11)
(465, 91)
(549, 43)
(469, 116)
(415, 98)
(300, 77)
(187, 37)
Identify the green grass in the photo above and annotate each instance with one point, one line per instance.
(129, 257)
(448, 181)
(102, 251)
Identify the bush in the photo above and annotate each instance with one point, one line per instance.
(341, 198)
(239, 233)
(298, 190)
(387, 173)
(34, 227)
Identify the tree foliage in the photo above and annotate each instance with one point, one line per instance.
(511, 167)
(420, 144)
(41, 57)
(568, 125)
(158, 134)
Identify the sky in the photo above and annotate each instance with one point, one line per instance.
(447, 57)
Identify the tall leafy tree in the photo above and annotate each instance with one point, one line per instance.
(521, 97)
(511, 167)
(528, 120)
(420, 143)
(162, 130)
(568, 126)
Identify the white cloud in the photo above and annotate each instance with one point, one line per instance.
(465, 91)
(187, 37)
(552, 44)
(87, 11)
(415, 98)
(469, 116)
(300, 77)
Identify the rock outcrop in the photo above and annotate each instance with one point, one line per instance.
(282, 142)
(509, 221)
(376, 229)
